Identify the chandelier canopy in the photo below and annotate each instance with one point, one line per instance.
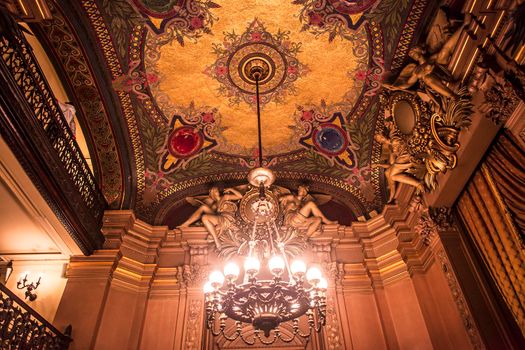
(271, 289)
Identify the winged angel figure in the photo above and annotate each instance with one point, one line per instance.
(216, 211)
(431, 60)
(301, 211)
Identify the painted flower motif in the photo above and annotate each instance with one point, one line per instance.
(208, 117)
(315, 19)
(292, 70)
(256, 36)
(221, 70)
(360, 75)
(196, 22)
(308, 115)
(151, 78)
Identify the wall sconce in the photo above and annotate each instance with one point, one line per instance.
(30, 288)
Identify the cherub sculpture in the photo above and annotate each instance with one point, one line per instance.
(216, 211)
(430, 62)
(301, 211)
(399, 162)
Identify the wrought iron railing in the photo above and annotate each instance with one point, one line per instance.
(37, 131)
(21, 327)
(19, 59)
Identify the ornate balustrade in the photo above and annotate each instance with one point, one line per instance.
(34, 127)
(21, 327)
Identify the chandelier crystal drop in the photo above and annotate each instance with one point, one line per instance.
(271, 290)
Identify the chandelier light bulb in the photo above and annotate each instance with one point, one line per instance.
(251, 265)
(207, 288)
(231, 271)
(313, 275)
(276, 265)
(323, 283)
(216, 279)
(298, 268)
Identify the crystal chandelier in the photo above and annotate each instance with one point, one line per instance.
(265, 295)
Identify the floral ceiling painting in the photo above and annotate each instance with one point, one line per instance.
(178, 69)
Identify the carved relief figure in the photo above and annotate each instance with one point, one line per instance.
(216, 211)
(399, 162)
(301, 211)
(430, 65)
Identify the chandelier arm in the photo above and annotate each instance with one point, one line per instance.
(320, 320)
(211, 327)
(270, 236)
(276, 230)
(287, 264)
(252, 238)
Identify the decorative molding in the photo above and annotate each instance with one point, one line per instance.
(461, 304)
(61, 37)
(426, 228)
(408, 34)
(442, 217)
(193, 275)
(191, 341)
(333, 327)
(432, 221)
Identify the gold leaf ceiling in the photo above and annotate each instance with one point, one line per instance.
(328, 75)
(179, 96)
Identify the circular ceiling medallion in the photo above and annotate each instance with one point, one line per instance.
(257, 67)
(330, 139)
(256, 51)
(185, 141)
(242, 60)
(254, 209)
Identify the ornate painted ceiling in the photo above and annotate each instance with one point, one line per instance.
(177, 114)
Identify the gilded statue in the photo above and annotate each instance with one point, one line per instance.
(301, 211)
(429, 67)
(399, 162)
(215, 211)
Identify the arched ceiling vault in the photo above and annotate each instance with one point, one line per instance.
(176, 111)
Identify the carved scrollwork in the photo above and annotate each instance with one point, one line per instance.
(426, 228)
(192, 329)
(425, 111)
(442, 217)
(429, 147)
(333, 329)
(193, 275)
(432, 221)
